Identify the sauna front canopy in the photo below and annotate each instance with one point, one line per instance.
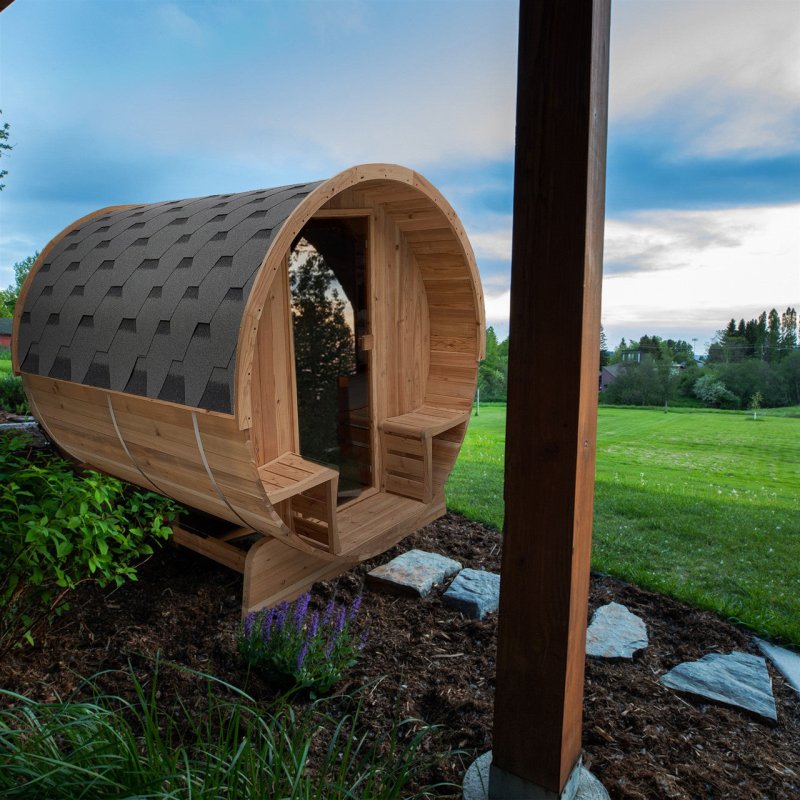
(298, 363)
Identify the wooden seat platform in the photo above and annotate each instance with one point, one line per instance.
(291, 474)
(407, 443)
(310, 490)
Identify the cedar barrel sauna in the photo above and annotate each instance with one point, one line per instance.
(295, 365)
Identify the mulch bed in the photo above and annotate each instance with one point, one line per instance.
(642, 740)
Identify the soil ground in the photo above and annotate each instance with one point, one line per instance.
(642, 740)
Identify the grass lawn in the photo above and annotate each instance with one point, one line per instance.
(5, 367)
(700, 505)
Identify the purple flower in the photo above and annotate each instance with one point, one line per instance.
(283, 610)
(248, 624)
(300, 608)
(266, 625)
(313, 625)
(301, 656)
(354, 608)
(340, 620)
(328, 615)
(362, 641)
(329, 648)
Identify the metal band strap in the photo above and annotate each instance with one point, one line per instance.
(210, 474)
(128, 452)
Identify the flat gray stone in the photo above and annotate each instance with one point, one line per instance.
(786, 661)
(736, 679)
(615, 633)
(474, 592)
(581, 786)
(414, 572)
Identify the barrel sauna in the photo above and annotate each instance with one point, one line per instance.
(294, 365)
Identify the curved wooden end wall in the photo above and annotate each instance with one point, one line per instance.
(433, 232)
(427, 315)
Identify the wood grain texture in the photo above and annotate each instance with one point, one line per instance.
(556, 276)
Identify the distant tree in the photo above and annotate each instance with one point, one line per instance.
(681, 351)
(789, 371)
(10, 295)
(773, 336)
(493, 370)
(324, 351)
(647, 382)
(761, 336)
(5, 130)
(745, 378)
(755, 404)
(788, 332)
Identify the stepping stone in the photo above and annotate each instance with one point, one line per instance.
(785, 661)
(474, 592)
(737, 679)
(414, 572)
(615, 633)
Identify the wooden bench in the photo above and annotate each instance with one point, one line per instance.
(310, 490)
(407, 449)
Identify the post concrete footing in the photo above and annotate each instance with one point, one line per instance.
(484, 781)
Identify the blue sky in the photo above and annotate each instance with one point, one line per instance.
(124, 102)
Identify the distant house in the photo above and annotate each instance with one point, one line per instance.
(609, 374)
(5, 332)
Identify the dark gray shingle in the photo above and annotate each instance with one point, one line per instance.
(148, 300)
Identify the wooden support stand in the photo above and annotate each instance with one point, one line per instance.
(274, 572)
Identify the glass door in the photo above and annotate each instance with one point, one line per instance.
(330, 318)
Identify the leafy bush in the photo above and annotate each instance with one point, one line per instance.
(109, 747)
(12, 395)
(59, 529)
(714, 393)
(294, 649)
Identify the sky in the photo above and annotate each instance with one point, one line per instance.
(114, 102)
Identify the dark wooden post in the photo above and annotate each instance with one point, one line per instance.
(556, 273)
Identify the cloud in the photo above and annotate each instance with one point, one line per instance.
(175, 20)
(492, 244)
(723, 75)
(678, 274)
(668, 240)
(498, 307)
(689, 269)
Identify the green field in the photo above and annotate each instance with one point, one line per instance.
(701, 505)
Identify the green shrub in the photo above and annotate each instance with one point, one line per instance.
(59, 529)
(109, 747)
(295, 649)
(12, 395)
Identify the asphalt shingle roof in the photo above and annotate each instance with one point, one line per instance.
(148, 300)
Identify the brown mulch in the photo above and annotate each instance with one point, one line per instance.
(641, 740)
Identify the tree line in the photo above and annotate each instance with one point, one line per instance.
(750, 364)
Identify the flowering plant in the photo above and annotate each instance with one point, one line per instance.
(293, 647)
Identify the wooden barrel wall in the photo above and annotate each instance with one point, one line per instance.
(154, 341)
